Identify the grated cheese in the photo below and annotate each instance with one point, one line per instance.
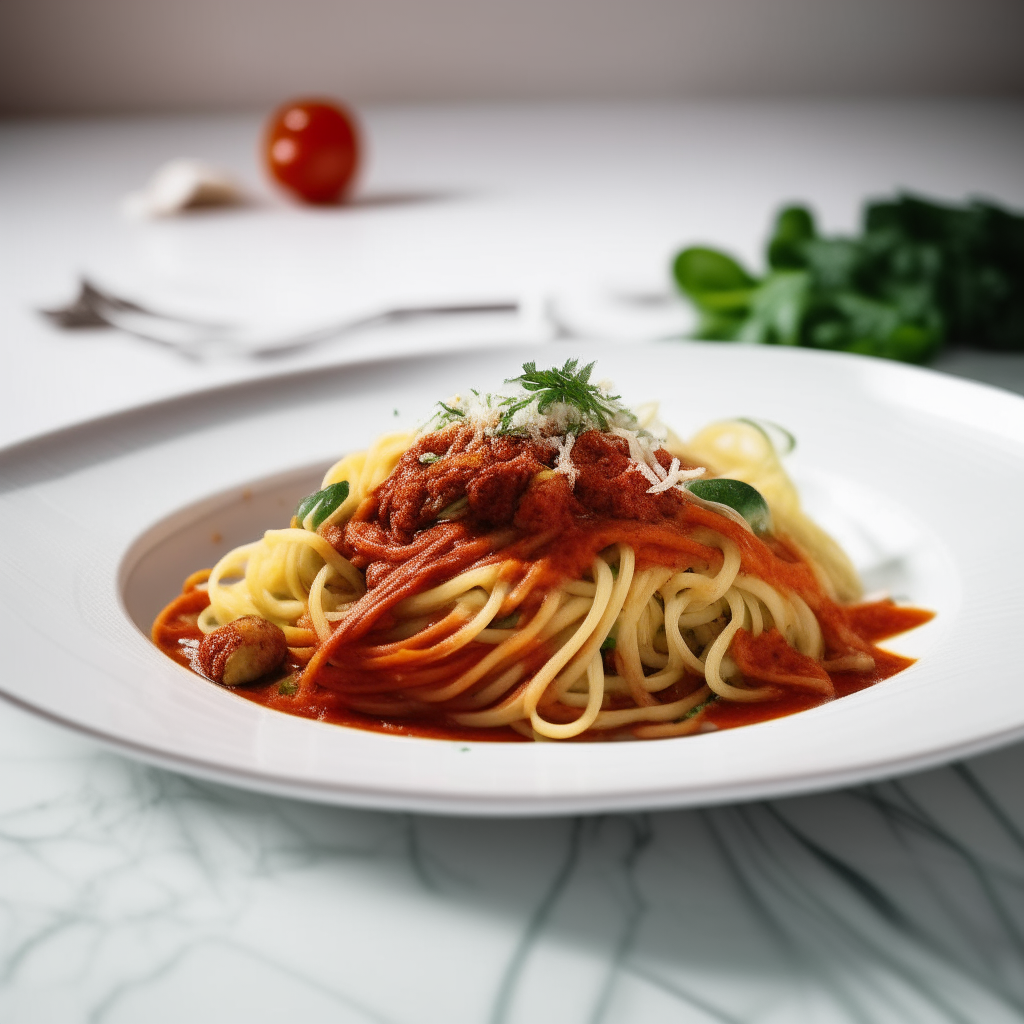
(563, 461)
(559, 426)
(676, 477)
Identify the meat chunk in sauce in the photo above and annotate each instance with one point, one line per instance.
(242, 651)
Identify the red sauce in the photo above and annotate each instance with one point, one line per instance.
(768, 659)
(541, 530)
(728, 715)
(883, 619)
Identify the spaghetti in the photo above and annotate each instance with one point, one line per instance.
(542, 563)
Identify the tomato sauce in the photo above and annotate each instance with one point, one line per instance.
(887, 620)
(457, 501)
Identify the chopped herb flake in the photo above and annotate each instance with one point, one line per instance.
(693, 712)
(451, 412)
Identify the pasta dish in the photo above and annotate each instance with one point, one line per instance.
(541, 562)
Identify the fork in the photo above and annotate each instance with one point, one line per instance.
(200, 339)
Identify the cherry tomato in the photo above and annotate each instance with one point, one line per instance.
(312, 149)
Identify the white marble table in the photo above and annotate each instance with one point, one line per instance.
(132, 894)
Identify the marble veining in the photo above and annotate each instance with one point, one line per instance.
(128, 893)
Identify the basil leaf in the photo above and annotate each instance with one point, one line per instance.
(712, 279)
(919, 274)
(793, 227)
(321, 504)
(777, 309)
(737, 495)
(713, 326)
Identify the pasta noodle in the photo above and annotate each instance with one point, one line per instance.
(544, 563)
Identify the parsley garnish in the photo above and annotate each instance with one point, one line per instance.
(568, 386)
(448, 414)
(451, 412)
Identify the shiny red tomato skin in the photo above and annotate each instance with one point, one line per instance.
(312, 148)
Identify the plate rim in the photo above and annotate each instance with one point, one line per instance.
(525, 807)
(332, 791)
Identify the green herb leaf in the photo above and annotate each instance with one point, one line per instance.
(608, 643)
(918, 275)
(703, 272)
(318, 506)
(794, 226)
(288, 687)
(569, 385)
(693, 712)
(777, 309)
(428, 459)
(714, 326)
(737, 495)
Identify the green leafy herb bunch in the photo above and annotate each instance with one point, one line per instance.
(919, 275)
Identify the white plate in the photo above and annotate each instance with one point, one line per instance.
(921, 475)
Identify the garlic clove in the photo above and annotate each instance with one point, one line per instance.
(183, 184)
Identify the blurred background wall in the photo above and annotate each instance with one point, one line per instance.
(88, 56)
